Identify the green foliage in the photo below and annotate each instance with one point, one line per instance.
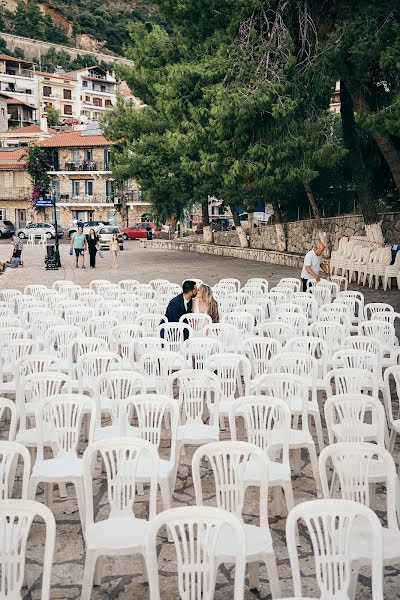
(37, 166)
(61, 58)
(53, 117)
(29, 21)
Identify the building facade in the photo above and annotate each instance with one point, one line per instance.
(96, 92)
(15, 187)
(57, 91)
(17, 79)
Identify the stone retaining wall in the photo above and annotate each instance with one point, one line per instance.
(267, 256)
(301, 235)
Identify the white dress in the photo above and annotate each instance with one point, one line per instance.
(196, 307)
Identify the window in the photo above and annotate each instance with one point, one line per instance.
(48, 105)
(84, 83)
(75, 158)
(89, 154)
(96, 116)
(102, 88)
(89, 187)
(112, 216)
(107, 103)
(97, 101)
(67, 109)
(87, 98)
(67, 94)
(2, 214)
(47, 90)
(75, 188)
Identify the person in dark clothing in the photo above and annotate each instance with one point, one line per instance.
(182, 304)
(92, 240)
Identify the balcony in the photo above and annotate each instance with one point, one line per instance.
(23, 193)
(69, 199)
(81, 166)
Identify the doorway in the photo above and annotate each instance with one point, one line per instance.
(20, 217)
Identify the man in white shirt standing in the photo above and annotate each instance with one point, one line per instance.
(313, 265)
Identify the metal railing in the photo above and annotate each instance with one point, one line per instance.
(84, 165)
(86, 199)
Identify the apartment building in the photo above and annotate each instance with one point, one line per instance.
(96, 91)
(57, 91)
(25, 136)
(17, 79)
(15, 187)
(82, 181)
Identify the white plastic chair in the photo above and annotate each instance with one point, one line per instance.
(332, 333)
(30, 364)
(196, 322)
(175, 334)
(226, 333)
(60, 418)
(234, 372)
(335, 254)
(147, 306)
(331, 527)
(359, 359)
(157, 366)
(232, 281)
(245, 322)
(8, 293)
(229, 463)
(392, 272)
(291, 282)
(122, 532)
(149, 322)
(143, 345)
(376, 307)
(125, 314)
(199, 393)
(392, 374)
(308, 306)
(383, 331)
(145, 291)
(101, 327)
(129, 285)
(10, 454)
(260, 281)
(78, 316)
(295, 322)
(152, 413)
(278, 330)
(58, 339)
(104, 308)
(351, 381)
(321, 293)
(83, 345)
(260, 351)
(195, 532)
(317, 348)
(306, 367)
(355, 418)
(267, 423)
(197, 349)
(121, 338)
(292, 390)
(92, 364)
(358, 268)
(16, 518)
(268, 308)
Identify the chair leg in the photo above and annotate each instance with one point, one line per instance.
(48, 494)
(276, 504)
(80, 497)
(88, 574)
(32, 489)
(166, 500)
(62, 488)
(318, 427)
(297, 461)
(314, 465)
(98, 571)
(144, 568)
(272, 569)
(355, 567)
(254, 576)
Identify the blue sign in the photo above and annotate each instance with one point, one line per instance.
(43, 202)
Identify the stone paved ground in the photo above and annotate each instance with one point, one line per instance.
(122, 577)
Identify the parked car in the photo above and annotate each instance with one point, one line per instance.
(87, 225)
(7, 229)
(105, 234)
(138, 231)
(38, 229)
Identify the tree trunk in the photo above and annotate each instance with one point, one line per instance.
(384, 142)
(320, 231)
(279, 227)
(239, 229)
(208, 237)
(359, 172)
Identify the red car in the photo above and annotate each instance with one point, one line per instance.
(138, 231)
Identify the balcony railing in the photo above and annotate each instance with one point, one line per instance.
(24, 193)
(86, 199)
(84, 165)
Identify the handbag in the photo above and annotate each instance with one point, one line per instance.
(100, 254)
(71, 251)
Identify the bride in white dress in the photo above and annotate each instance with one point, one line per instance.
(205, 303)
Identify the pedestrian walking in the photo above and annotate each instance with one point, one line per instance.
(79, 245)
(92, 240)
(114, 250)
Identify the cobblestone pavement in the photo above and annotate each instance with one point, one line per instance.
(122, 577)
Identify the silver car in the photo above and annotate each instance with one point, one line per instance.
(38, 229)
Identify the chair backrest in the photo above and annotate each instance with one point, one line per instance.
(175, 334)
(36, 386)
(115, 387)
(332, 333)
(149, 322)
(346, 418)
(196, 321)
(291, 282)
(308, 306)
(78, 316)
(321, 293)
(386, 315)
(157, 366)
(101, 327)
(295, 363)
(288, 307)
(11, 351)
(59, 418)
(382, 330)
(229, 462)
(228, 334)
(7, 321)
(7, 294)
(195, 532)
(279, 295)
(278, 330)
(353, 465)
(125, 314)
(307, 344)
(332, 285)
(9, 405)
(121, 459)
(197, 349)
(351, 381)
(260, 350)
(266, 420)
(10, 454)
(230, 368)
(16, 518)
(330, 526)
(357, 359)
(260, 281)
(58, 339)
(373, 307)
(391, 372)
(7, 334)
(245, 322)
(92, 364)
(232, 281)
(197, 390)
(296, 322)
(288, 388)
(142, 345)
(366, 343)
(129, 285)
(83, 345)
(40, 326)
(352, 294)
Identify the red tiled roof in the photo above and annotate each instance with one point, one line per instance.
(13, 59)
(75, 139)
(11, 160)
(31, 129)
(11, 100)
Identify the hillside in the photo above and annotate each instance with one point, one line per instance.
(91, 25)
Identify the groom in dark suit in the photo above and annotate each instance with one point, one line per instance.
(182, 304)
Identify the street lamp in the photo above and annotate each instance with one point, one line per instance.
(57, 260)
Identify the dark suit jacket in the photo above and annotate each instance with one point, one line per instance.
(176, 308)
